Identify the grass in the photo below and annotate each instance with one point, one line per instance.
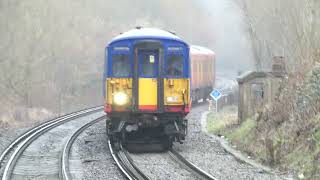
(226, 123)
(286, 134)
(303, 158)
(243, 131)
(217, 122)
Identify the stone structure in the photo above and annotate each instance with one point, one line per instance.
(256, 88)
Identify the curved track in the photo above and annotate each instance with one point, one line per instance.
(133, 172)
(190, 166)
(18, 154)
(66, 150)
(17, 148)
(126, 164)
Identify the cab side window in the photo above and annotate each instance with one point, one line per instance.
(174, 65)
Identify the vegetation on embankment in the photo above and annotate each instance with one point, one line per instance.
(225, 118)
(286, 133)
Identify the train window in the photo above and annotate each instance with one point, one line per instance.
(121, 65)
(147, 65)
(174, 65)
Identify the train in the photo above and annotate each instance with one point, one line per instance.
(203, 73)
(148, 87)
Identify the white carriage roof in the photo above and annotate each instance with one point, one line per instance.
(200, 50)
(146, 32)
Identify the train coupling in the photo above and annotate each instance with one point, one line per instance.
(133, 127)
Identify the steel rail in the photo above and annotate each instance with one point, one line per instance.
(65, 170)
(136, 172)
(194, 169)
(140, 173)
(24, 135)
(116, 159)
(24, 140)
(126, 164)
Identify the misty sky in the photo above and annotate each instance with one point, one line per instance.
(232, 44)
(217, 24)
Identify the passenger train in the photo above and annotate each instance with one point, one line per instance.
(148, 87)
(202, 62)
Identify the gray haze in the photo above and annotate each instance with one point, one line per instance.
(56, 48)
(217, 24)
(232, 44)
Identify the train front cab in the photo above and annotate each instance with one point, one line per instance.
(148, 89)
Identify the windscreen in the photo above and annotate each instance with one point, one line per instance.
(121, 65)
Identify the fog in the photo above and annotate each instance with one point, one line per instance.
(217, 24)
(56, 48)
(232, 44)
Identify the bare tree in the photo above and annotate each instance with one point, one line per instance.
(283, 28)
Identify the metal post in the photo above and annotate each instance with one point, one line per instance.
(210, 105)
(217, 106)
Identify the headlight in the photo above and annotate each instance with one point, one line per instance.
(120, 98)
(172, 99)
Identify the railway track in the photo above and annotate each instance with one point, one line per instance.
(169, 165)
(126, 164)
(16, 151)
(65, 169)
(199, 173)
(133, 172)
(11, 156)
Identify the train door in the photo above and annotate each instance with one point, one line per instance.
(148, 74)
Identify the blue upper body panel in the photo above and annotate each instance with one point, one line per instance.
(124, 45)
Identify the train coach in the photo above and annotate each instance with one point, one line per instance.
(148, 88)
(203, 73)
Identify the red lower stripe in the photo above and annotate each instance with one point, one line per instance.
(148, 107)
(107, 108)
(174, 108)
(177, 108)
(187, 109)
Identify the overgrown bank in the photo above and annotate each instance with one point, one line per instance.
(286, 133)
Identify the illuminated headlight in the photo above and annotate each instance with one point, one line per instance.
(172, 99)
(120, 98)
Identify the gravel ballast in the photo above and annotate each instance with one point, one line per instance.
(204, 151)
(90, 157)
(207, 153)
(160, 166)
(91, 150)
(41, 158)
